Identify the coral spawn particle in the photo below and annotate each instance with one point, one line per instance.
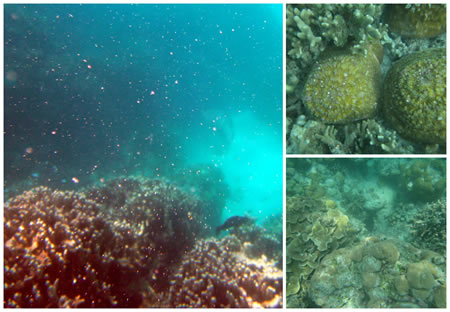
(343, 87)
(415, 96)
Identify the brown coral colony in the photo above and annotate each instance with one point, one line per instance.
(130, 243)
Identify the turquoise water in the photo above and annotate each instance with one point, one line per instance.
(94, 92)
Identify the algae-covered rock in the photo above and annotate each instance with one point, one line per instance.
(417, 20)
(343, 87)
(415, 96)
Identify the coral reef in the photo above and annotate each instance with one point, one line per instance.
(313, 27)
(417, 20)
(60, 251)
(208, 183)
(170, 218)
(428, 227)
(216, 274)
(333, 204)
(262, 241)
(314, 33)
(366, 136)
(418, 180)
(313, 229)
(379, 273)
(343, 87)
(415, 96)
(120, 244)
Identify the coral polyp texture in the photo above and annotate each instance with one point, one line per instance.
(343, 88)
(217, 274)
(340, 100)
(415, 96)
(124, 245)
(417, 20)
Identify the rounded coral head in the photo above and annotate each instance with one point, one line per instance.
(343, 87)
(415, 96)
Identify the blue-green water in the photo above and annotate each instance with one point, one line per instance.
(93, 92)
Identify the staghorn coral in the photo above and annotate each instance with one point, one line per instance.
(365, 136)
(417, 20)
(428, 227)
(311, 28)
(415, 96)
(216, 274)
(119, 245)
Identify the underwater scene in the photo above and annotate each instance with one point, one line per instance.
(366, 233)
(366, 78)
(143, 156)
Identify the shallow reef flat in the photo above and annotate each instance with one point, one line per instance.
(362, 234)
(361, 81)
(134, 242)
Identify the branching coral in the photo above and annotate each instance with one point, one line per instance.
(215, 274)
(428, 227)
(107, 248)
(311, 28)
(60, 251)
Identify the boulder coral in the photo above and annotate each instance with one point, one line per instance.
(417, 20)
(344, 87)
(396, 280)
(415, 96)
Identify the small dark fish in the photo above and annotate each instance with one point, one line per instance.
(232, 222)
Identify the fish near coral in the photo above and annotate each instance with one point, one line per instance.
(234, 221)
